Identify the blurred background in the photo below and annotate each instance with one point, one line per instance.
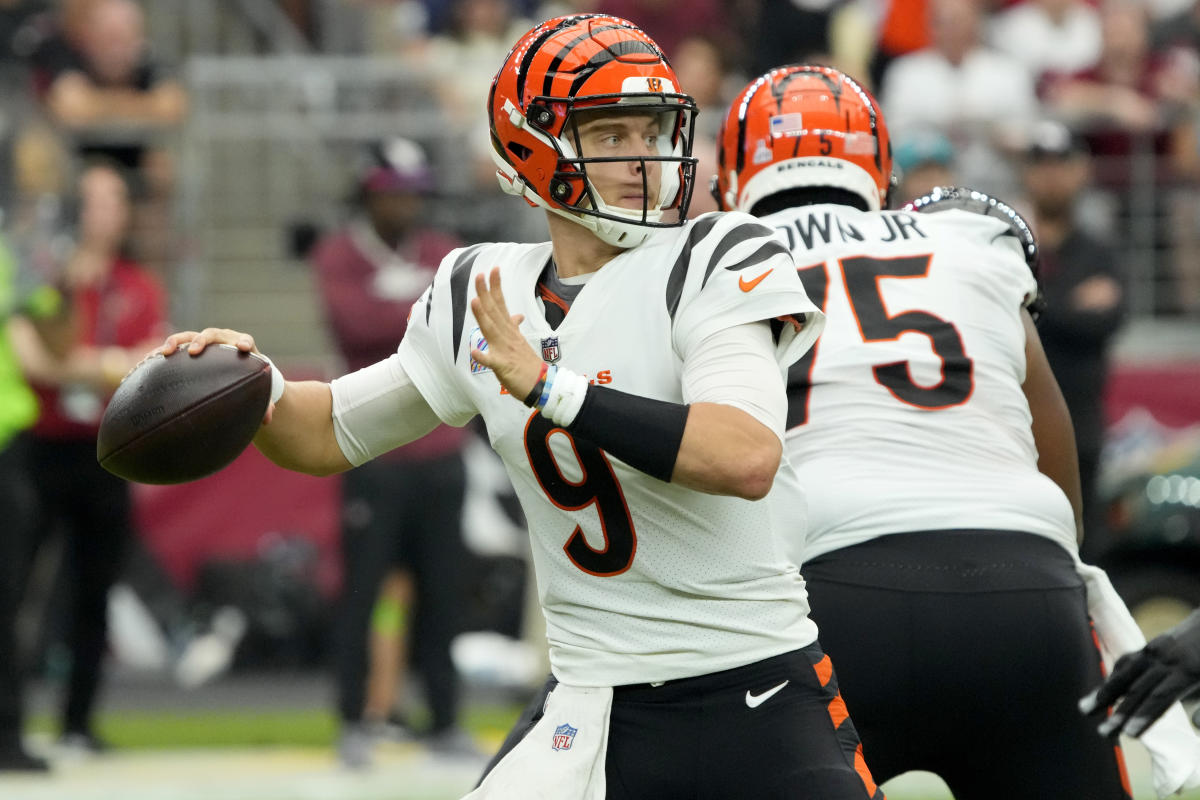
(254, 148)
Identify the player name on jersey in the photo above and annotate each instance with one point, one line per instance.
(822, 227)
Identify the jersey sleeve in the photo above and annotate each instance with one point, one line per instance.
(739, 271)
(429, 351)
(377, 409)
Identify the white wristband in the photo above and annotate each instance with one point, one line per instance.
(566, 397)
(278, 384)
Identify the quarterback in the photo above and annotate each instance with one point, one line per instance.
(630, 373)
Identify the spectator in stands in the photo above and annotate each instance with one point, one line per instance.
(1138, 113)
(669, 23)
(1180, 29)
(114, 99)
(1083, 282)
(402, 511)
(18, 410)
(903, 29)
(107, 85)
(464, 58)
(924, 159)
(24, 26)
(1115, 99)
(783, 33)
(114, 311)
(1056, 37)
(973, 93)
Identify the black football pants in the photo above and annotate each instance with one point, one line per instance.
(963, 653)
(730, 735)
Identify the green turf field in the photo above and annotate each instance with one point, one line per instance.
(134, 730)
(288, 755)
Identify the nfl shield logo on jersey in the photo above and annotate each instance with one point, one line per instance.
(564, 737)
(550, 351)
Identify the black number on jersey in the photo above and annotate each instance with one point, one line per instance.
(598, 486)
(861, 279)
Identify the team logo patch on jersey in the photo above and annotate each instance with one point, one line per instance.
(477, 342)
(550, 351)
(564, 737)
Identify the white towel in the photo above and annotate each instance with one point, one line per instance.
(562, 758)
(1172, 742)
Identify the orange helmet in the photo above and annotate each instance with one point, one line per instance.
(587, 62)
(802, 126)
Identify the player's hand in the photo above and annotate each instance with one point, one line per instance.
(516, 365)
(195, 342)
(1149, 681)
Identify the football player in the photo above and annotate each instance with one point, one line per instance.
(936, 453)
(630, 375)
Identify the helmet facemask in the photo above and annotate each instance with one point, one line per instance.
(573, 194)
(574, 189)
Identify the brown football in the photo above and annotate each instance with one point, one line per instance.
(180, 417)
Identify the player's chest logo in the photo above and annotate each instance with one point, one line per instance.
(550, 350)
(564, 737)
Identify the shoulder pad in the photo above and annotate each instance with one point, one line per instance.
(946, 198)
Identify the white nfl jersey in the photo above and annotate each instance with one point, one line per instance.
(640, 580)
(908, 414)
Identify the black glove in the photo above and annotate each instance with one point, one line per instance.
(1149, 681)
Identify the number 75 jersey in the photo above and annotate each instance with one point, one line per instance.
(640, 580)
(908, 415)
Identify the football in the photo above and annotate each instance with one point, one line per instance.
(180, 417)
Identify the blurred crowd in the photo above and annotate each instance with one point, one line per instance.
(1084, 114)
(963, 83)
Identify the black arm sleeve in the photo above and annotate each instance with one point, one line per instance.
(644, 433)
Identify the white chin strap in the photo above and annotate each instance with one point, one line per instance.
(796, 173)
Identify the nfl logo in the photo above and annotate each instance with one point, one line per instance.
(550, 351)
(564, 737)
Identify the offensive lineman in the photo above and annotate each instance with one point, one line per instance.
(630, 373)
(936, 454)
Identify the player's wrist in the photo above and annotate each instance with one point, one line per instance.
(539, 386)
(565, 397)
(278, 383)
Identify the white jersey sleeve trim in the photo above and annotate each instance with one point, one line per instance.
(377, 409)
(737, 367)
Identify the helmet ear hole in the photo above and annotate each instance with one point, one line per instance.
(520, 151)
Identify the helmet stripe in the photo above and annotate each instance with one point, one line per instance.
(535, 47)
(565, 52)
(605, 56)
